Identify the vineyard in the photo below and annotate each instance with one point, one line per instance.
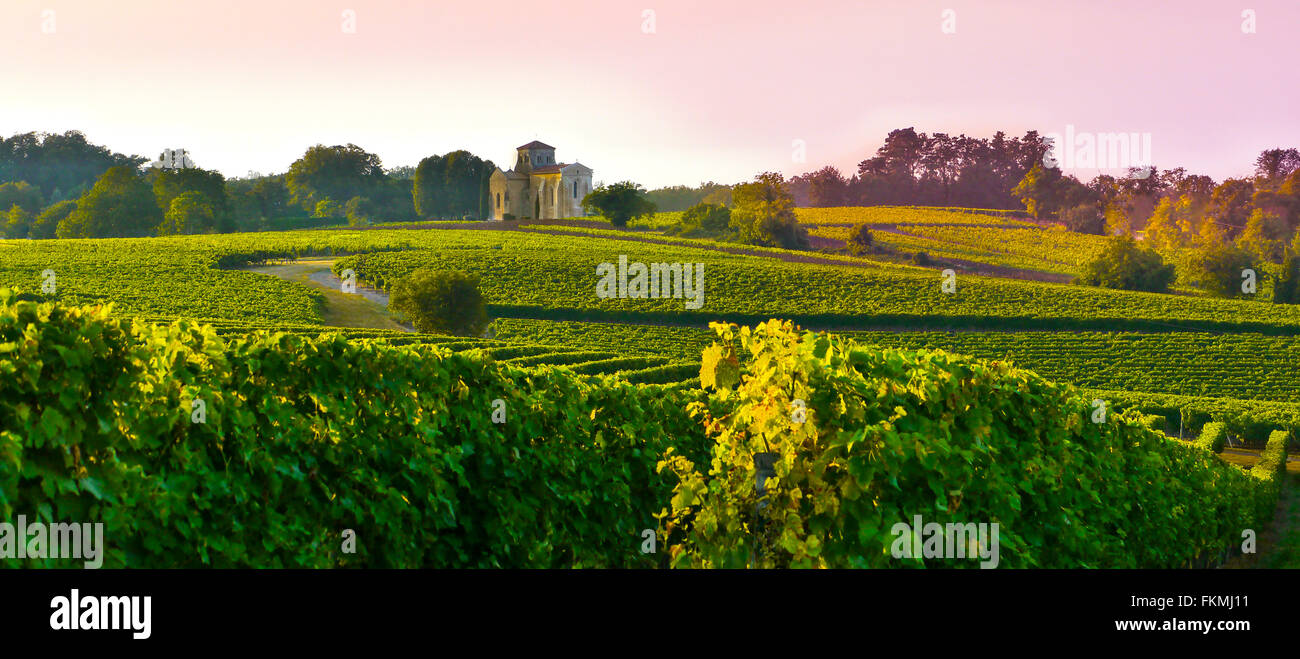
(402, 442)
(633, 380)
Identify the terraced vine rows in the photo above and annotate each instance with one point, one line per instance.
(1240, 366)
(541, 287)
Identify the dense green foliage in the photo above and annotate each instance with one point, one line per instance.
(552, 276)
(335, 173)
(620, 202)
(682, 197)
(1221, 270)
(121, 204)
(763, 214)
(702, 220)
(188, 213)
(1084, 218)
(1213, 436)
(453, 186)
(207, 190)
(46, 225)
(441, 302)
(1236, 366)
(22, 194)
(98, 421)
(1286, 290)
(1126, 265)
(300, 439)
(860, 240)
(864, 439)
(61, 166)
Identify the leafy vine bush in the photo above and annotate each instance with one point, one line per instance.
(1271, 466)
(303, 438)
(1213, 436)
(867, 438)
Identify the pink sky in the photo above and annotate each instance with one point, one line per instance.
(719, 91)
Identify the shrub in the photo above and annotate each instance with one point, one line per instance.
(1218, 269)
(921, 258)
(1126, 265)
(710, 217)
(764, 214)
(860, 239)
(441, 302)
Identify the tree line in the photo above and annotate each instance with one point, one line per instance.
(63, 186)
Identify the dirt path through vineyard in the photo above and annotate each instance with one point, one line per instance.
(367, 308)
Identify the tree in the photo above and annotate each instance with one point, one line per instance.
(21, 193)
(271, 196)
(1218, 269)
(1084, 218)
(710, 217)
(188, 213)
(46, 225)
(1124, 264)
(1230, 206)
(61, 166)
(393, 199)
(764, 214)
(1038, 190)
(1264, 236)
(682, 197)
(452, 186)
(619, 203)
(1165, 228)
(335, 172)
(1286, 286)
(327, 208)
(827, 187)
(703, 220)
(121, 204)
(1275, 164)
(17, 222)
(169, 184)
(441, 302)
(357, 211)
